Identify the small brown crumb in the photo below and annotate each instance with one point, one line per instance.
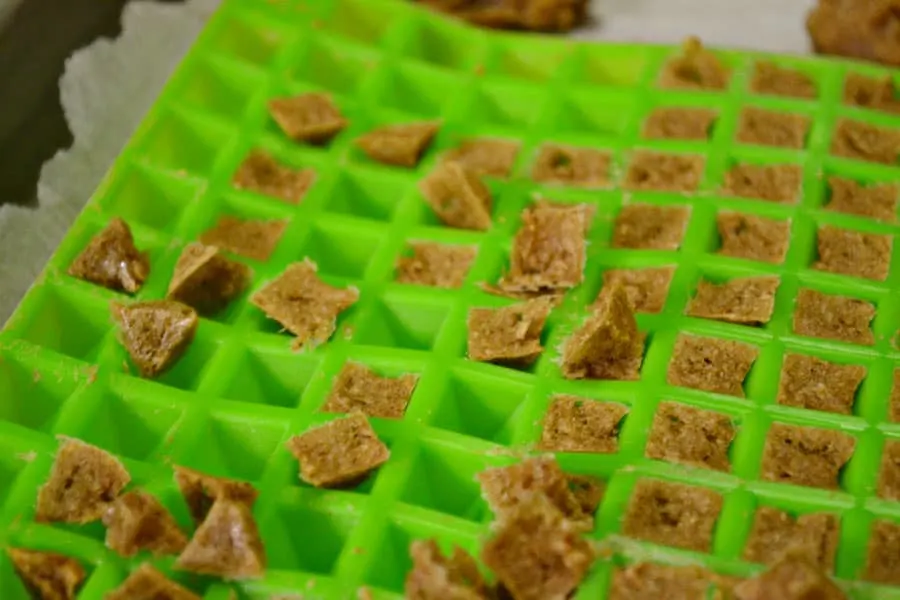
(664, 172)
(304, 304)
(710, 364)
(485, 157)
(691, 436)
(206, 280)
(792, 578)
(776, 534)
(833, 317)
(745, 300)
(815, 384)
(200, 491)
(805, 455)
(311, 117)
(155, 333)
(855, 253)
(646, 226)
(877, 201)
(359, 388)
(672, 514)
(148, 583)
(575, 424)
(400, 145)
(508, 335)
(769, 78)
(253, 239)
(584, 167)
(695, 68)
(264, 175)
(775, 183)
(436, 577)
(752, 237)
(436, 265)
(889, 476)
(883, 560)
(673, 123)
(643, 581)
(772, 128)
(226, 544)
(861, 141)
(46, 575)
(138, 521)
(83, 481)
(110, 259)
(458, 197)
(341, 452)
(646, 289)
(877, 93)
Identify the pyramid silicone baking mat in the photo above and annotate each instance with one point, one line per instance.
(240, 392)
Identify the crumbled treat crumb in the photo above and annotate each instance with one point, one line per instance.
(83, 481)
(805, 455)
(877, 201)
(646, 289)
(772, 128)
(584, 167)
(436, 265)
(695, 68)
(792, 578)
(672, 514)
(608, 345)
(155, 333)
(833, 317)
(509, 335)
(777, 534)
(206, 280)
(400, 145)
(746, 300)
(359, 388)
(262, 174)
(883, 554)
(877, 93)
(752, 237)
(253, 239)
(657, 171)
(146, 583)
(774, 183)
(643, 581)
(575, 424)
(485, 157)
(304, 304)
(646, 226)
(436, 577)
(674, 123)
(691, 436)
(815, 384)
(311, 117)
(339, 453)
(138, 521)
(111, 259)
(46, 575)
(226, 544)
(861, 141)
(855, 253)
(889, 475)
(710, 364)
(201, 490)
(458, 197)
(769, 78)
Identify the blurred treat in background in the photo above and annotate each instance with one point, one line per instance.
(549, 16)
(864, 29)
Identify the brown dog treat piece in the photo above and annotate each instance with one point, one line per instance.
(774, 183)
(672, 123)
(588, 492)
(155, 333)
(436, 265)
(262, 174)
(146, 583)
(833, 317)
(805, 455)
(776, 534)
(752, 237)
(583, 167)
(341, 452)
(207, 281)
(894, 401)
(855, 29)
(854, 253)
(657, 171)
(769, 78)
(691, 436)
(745, 300)
(646, 289)
(549, 16)
(110, 259)
(889, 473)
(47, 575)
(304, 304)
(672, 514)
(359, 388)
(878, 201)
(815, 384)
(399, 145)
(646, 226)
(311, 117)
(862, 141)
(695, 68)
(485, 156)
(436, 577)
(792, 578)
(137, 521)
(575, 424)
(772, 128)
(83, 481)
(643, 581)
(508, 335)
(883, 554)
(877, 93)
(226, 544)
(710, 364)
(253, 239)
(458, 197)
(201, 490)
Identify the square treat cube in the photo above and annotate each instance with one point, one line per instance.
(883, 553)
(574, 424)
(746, 300)
(877, 93)
(656, 171)
(359, 388)
(485, 156)
(847, 252)
(251, 238)
(889, 473)
(643, 581)
(772, 79)
(876, 201)
(752, 237)
(773, 183)
(833, 317)
(771, 128)
(793, 578)
(646, 226)
(776, 534)
(691, 436)
(436, 265)
(458, 197)
(805, 455)
(262, 174)
(672, 514)
(434, 575)
(511, 334)
(582, 167)
(676, 123)
(711, 364)
(861, 141)
(816, 384)
(646, 289)
(400, 145)
(111, 259)
(309, 117)
(47, 575)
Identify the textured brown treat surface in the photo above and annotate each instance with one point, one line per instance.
(485, 156)
(776, 534)
(146, 583)
(772, 128)
(894, 401)
(83, 481)
(359, 388)
(877, 93)
(436, 265)
(304, 304)
(889, 472)
(438, 577)
(646, 289)
(663, 172)
(608, 345)
(311, 117)
(855, 29)
(769, 78)
(264, 175)
(46, 575)
(340, 452)
(815, 384)
(588, 492)
(672, 514)
(201, 490)
(833, 317)
(457, 196)
(110, 259)
(675, 123)
(855, 253)
(155, 333)
(400, 145)
(878, 201)
(805, 455)
(643, 581)
(695, 68)
(883, 554)
(206, 280)
(690, 436)
(138, 521)
(646, 226)
(861, 141)
(775, 183)
(253, 239)
(227, 544)
(575, 424)
(510, 334)
(549, 16)
(746, 300)
(752, 237)
(792, 578)
(711, 364)
(583, 167)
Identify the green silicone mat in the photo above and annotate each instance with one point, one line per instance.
(239, 393)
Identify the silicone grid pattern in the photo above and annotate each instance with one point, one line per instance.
(239, 393)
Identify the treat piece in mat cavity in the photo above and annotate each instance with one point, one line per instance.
(691, 436)
(111, 259)
(806, 456)
(877, 93)
(227, 544)
(436, 265)
(304, 304)
(311, 117)
(508, 335)
(146, 583)
(677, 123)
(889, 475)
(340, 453)
(583, 167)
(47, 575)
(646, 581)
(883, 553)
(894, 400)
(650, 227)
(833, 317)
(793, 578)
(608, 345)
(864, 29)
(862, 141)
(206, 280)
(752, 237)
(548, 16)
(772, 128)
(438, 577)
(138, 521)
(574, 424)
(458, 197)
(155, 333)
(854, 253)
(262, 174)
(201, 490)
(695, 68)
(588, 492)
(769, 78)
(710, 364)
(399, 145)
(746, 300)
(646, 289)
(774, 183)
(253, 239)
(83, 482)
(485, 156)
(776, 534)
(359, 388)
(815, 384)
(657, 171)
(876, 201)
